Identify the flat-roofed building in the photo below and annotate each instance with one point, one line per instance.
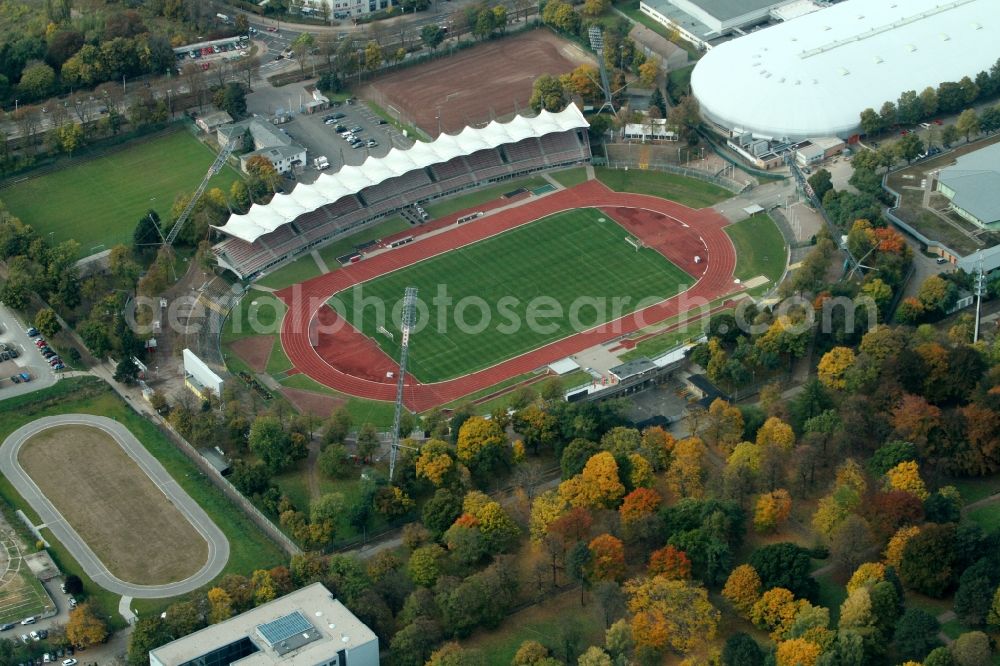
(305, 628)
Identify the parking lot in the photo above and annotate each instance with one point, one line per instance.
(320, 138)
(29, 360)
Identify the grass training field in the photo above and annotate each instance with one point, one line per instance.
(760, 248)
(561, 258)
(134, 529)
(99, 201)
(690, 192)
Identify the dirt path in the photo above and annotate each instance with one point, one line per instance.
(313, 478)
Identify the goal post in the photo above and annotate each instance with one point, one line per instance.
(384, 331)
(634, 242)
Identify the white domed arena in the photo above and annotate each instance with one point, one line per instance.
(813, 75)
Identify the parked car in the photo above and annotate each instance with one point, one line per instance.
(15, 379)
(25, 377)
(338, 115)
(32, 332)
(372, 143)
(31, 619)
(69, 662)
(357, 128)
(40, 342)
(382, 121)
(25, 639)
(271, 28)
(6, 627)
(72, 602)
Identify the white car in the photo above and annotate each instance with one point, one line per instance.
(28, 620)
(69, 662)
(34, 636)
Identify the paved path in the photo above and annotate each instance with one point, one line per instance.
(218, 545)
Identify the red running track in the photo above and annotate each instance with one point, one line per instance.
(305, 300)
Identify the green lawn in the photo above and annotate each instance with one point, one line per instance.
(481, 196)
(986, 516)
(760, 248)
(300, 270)
(278, 361)
(973, 490)
(376, 412)
(570, 177)
(549, 623)
(658, 344)
(258, 313)
(345, 245)
(99, 201)
(690, 192)
(559, 259)
(249, 548)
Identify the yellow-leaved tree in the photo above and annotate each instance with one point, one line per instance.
(833, 367)
(670, 614)
(544, 510)
(777, 433)
(866, 575)
(434, 462)
(742, 589)
(906, 477)
(85, 628)
(598, 486)
(685, 476)
(894, 549)
(797, 652)
(220, 606)
(772, 510)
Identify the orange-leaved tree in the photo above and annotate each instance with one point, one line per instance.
(772, 510)
(639, 504)
(671, 563)
(670, 614)
(607, 558)
(742, 588)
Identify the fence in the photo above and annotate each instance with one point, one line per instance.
(229, 490)
(727, 183)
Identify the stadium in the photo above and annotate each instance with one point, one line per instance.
(355, 196)
(813, 75)
(561, 244)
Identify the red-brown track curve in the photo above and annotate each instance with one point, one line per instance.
(305, 300)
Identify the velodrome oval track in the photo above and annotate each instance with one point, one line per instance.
(218, 544)
(306, 299)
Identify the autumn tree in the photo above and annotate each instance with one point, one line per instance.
(435, 462)
(894, 549)
(775, 611)
(85, 628)
(669, 562)
(772, 510)
(777, 433)
(971, 649)
(797, 652)
(220, 606)
(724, 425)
(834, 366)
(530, 653)
(482, 446)
(545, 509)
(685, 476)
(638, 504)
(742, 589)
(607, 558)
(670, 614)
(597, 486)
(906, 477)
(423, 565)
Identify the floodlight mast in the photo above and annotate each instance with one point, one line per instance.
(220, 160)
(597, 44)
(409, 317)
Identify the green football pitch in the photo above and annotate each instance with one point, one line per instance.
(506, 281)
(98, 202)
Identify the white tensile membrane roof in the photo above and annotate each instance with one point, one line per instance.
(813, 75)
(283, 208)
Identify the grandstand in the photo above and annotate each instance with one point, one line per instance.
(354, 196)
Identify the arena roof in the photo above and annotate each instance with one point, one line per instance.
(813, 75)
(975, 180)
(284, 208)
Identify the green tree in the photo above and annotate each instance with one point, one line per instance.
(47, 322)
(785, 565)
(968, 123)
(871, 123)
(971, 649)
(70, 137)
(269, 441)
(949, 135)
(148, 633)
(916, 634)
(332, 461)
(232, 98)
(432, 35)
(821, 183)
(37, 81)
(927, 564)
(548, 94)
(373, 56)
(909, 147)
(742, 650)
